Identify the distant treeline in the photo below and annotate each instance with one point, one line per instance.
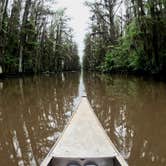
(35, 38)
(126, 36)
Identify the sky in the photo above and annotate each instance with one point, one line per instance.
(79, 15)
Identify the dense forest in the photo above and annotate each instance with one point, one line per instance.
(35, 38)
(126, 36)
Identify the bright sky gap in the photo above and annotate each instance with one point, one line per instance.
(79, 15)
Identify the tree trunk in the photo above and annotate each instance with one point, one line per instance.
(111, 20)
(1, 69)
(3, 12)
(23, 33)
(3, 36)
(20, 60)
(134, 8)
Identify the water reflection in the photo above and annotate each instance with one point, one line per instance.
(123, 132)
(1, 85)
(35, 110)
(33, 113)
(132, 111)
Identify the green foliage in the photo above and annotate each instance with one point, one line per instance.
(44, 47)
(126, 55)
(130, 53)
(140, 49)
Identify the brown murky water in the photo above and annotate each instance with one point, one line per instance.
(35, 110)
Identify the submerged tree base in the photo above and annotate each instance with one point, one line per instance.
(25, 74)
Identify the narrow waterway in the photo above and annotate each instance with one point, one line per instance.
(35, 110)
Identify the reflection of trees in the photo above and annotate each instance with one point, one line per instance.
(132, 111)
(123, 132)
(32, 114)
(110, 112)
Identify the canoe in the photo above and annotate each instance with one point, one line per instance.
(84, 142)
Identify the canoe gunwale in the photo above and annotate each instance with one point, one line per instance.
(49, 157)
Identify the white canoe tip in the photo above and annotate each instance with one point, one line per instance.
(84, 138)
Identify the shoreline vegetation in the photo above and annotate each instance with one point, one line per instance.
(34, 38)
(125, 37)
(132, 43)
(26, 74)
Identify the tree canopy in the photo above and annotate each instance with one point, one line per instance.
(35, 38)
(126, 35)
